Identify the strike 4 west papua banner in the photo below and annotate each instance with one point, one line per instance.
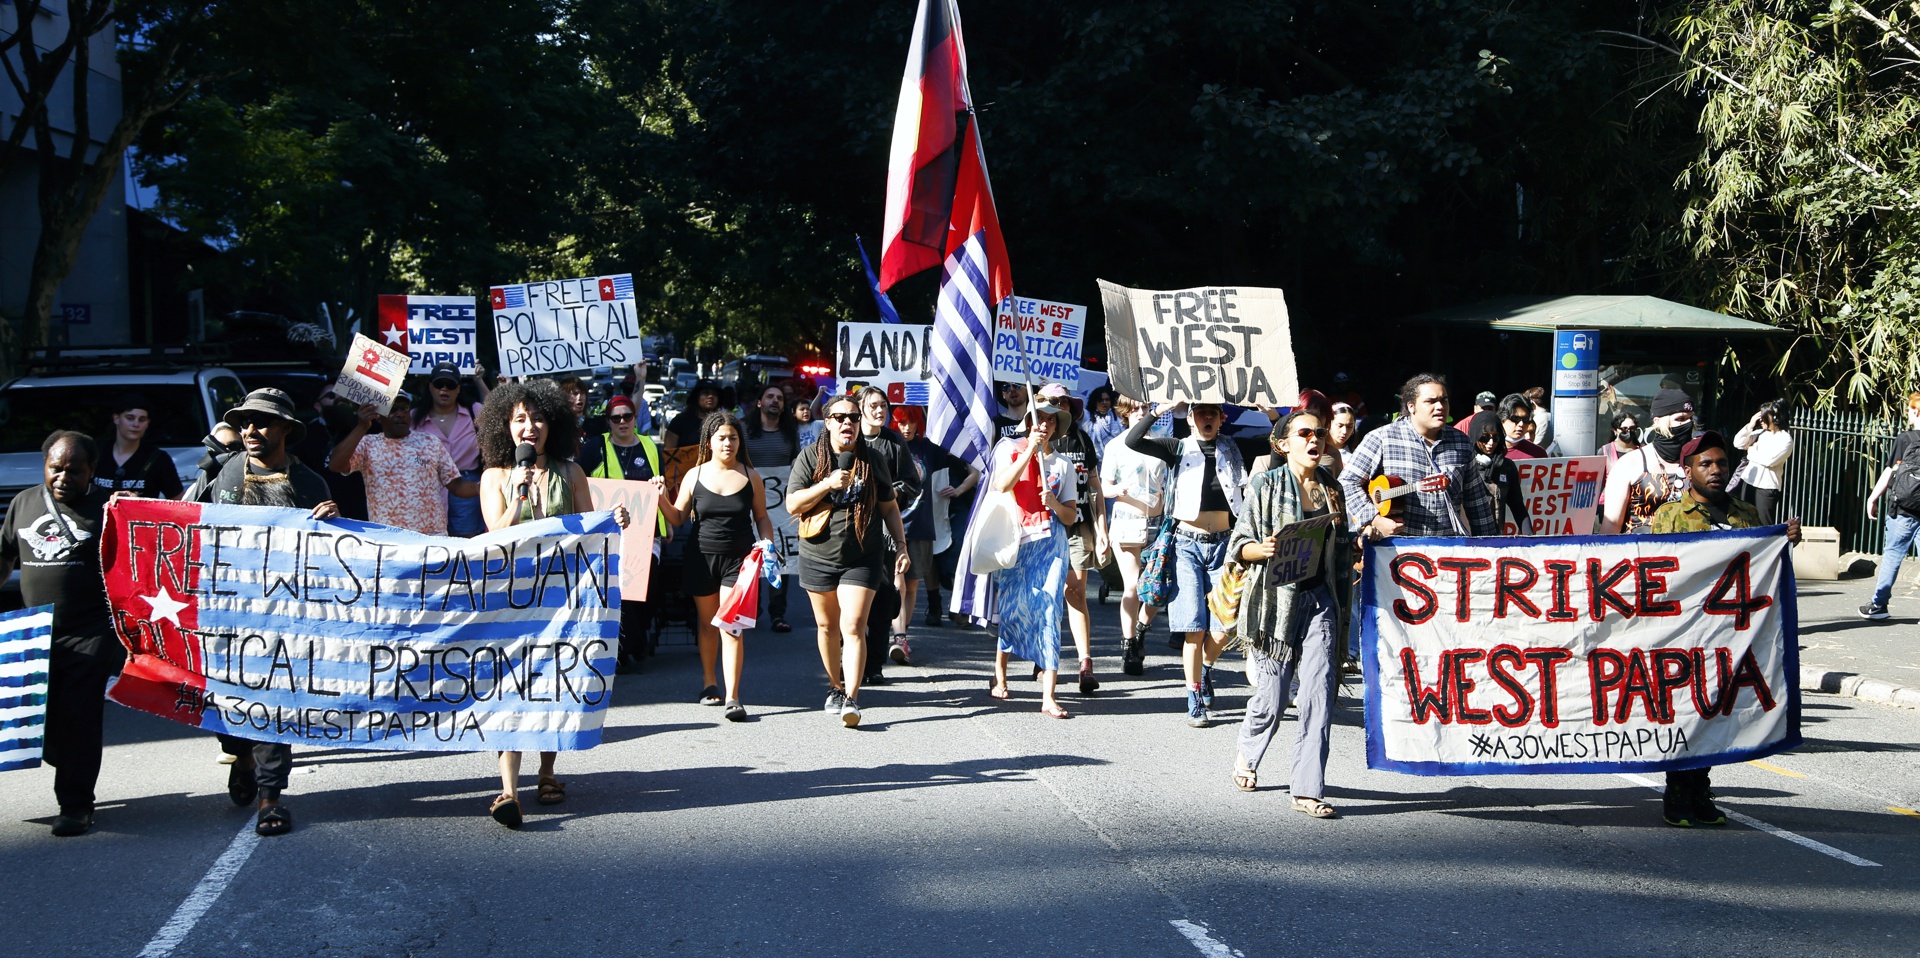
(269, 625)
(1579, 654)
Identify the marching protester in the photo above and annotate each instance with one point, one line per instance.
(132, 464)
(1029, 594)
(726, 499)
(1340, 431)
(1704, 506)
(772, 442)
(807, 414)
(536, 415)
(1136, 486)
(1417, 447)
(837, 488)
(1500, 474)
(1087, 535)
(452, 422)
(576, 392)
(222, 444)
(1208, 478)
(1768, 444)
(703, 400)
(1344, 393)
(1542, 419)
(1651, 476)
(1483, 401)
(1903, 518)
(1013, 398)
(268, 475)
(907, 484)
(409, 474)
(924, 519)
(1103, 422)
(1290, 628)
(1625, 430)
(623, 453)
(52, 535)
(1516, 414)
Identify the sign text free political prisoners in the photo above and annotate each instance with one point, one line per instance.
(560, 325)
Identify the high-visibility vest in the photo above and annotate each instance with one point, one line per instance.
(609, 468)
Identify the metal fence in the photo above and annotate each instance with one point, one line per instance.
(1836, 458)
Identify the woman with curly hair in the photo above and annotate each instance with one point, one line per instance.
(836, 488)
(539, 415)
(727, 501)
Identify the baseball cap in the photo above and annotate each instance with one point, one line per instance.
(444, 372)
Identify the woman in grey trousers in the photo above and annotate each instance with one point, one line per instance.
(1289, 614)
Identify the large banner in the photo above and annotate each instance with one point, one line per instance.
(1562, 496)
(431, 330)
(1047, 334)
(1587, 654)
(882, 354)
(26, 647)
(1207, 344)
(566, 324)
(269, 625)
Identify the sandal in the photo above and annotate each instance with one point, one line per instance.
(710, 695)
(1244, 778)
(506, 811)
(1313, 807)
(735, 711)
(998, 692)
(1055, 711)
(273, 820)
(551, 792)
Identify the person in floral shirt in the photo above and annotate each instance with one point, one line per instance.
(408, 474)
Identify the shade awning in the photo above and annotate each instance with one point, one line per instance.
(1625, 314)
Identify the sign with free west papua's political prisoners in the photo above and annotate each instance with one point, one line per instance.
(273, 626)
(431, 330)
(1047, 334)
(559, 325)
(1579, 654)
(1216, 344)
(882, 354)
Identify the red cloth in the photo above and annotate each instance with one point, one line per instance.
(740, 605)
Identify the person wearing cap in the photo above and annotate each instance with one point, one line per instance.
(132, 464)
(446, 417)
(1642, 481)
(409, 474)
(1705, 506)
(1483, 401)
(624, 454)
(266, 476)
(703, 400)
(1087, 536)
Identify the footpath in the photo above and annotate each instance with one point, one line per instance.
(1844, 654)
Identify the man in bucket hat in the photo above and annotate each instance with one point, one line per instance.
(266, 476)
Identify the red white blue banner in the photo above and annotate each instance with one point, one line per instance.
(272, 626)
(1579, 654)
(26, 644)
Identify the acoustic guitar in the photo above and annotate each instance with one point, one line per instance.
(1384, 489)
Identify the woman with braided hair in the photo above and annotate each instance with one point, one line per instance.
(841, 490)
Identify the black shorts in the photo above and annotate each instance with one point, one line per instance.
(707, 574)
(870, 573)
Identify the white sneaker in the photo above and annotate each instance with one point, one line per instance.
(850, 714)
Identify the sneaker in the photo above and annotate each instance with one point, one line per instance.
(835, 699)
(876, 677)
(710, 695)
(68, 826)
(850, 713)
(1678, 817)
(1877, 613)
(1206, 686)
(1088, 684)
(1196, 711)
(899, 652)
(1705, 812)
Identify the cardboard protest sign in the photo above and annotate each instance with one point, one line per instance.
(1561, 495)
(270, 625)
(786, 529)
(1048, 334)
(882, 354)
(1298, 550)
(372, 374)
(1582, 654)
(675, 464)
(560, 325)
(431, 330)
(636, 542)
(26, 650)
(1207, 344)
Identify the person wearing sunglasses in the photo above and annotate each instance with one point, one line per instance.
(1516, 419)
(445, 416)
(1290, 627)
(842, 490)
(1501, 475)
(625, 454)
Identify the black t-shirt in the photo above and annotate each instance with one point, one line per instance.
(686, 426)
(837, 545)
(1078, 448)
(148, 472)
(1007, 427)
(632, 459)
(60, 565)
(930, 459)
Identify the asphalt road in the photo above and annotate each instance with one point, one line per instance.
(949, 824)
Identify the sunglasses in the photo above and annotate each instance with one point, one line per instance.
(1305, 433)
(844, 418)
(245, 422)
(626, 418)
(1485, 437)
(1519, 420)
(444, 384)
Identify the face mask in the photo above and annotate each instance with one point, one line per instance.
(1483, 459)
(1668, 446)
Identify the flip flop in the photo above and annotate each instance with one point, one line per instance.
(273, 820)
(998, 692)
(506, 811)
(1055, 711)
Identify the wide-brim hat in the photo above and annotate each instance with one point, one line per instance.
(272, 402)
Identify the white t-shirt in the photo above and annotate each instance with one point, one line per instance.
(1061, 480)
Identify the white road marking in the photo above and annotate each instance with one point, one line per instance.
(1204, 941)
(1774, 830)
(212, 884)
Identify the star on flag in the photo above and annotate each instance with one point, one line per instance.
(393, 321)
(165, 606)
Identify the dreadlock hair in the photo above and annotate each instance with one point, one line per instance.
(542, 398)
(711, 425)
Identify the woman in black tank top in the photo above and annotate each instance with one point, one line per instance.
(728, 503)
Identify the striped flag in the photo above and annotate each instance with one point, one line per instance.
(26, 644)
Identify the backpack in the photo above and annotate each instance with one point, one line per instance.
(1905, 488)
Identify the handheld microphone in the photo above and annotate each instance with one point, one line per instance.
(524, 455)
(846, 460)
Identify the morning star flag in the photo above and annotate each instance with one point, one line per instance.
(26, 645)
(431, 330)
(1579, 653)
(269, 625)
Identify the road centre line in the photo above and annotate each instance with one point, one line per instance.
(208, 891)
(1777, 770)
(1774, 830)
(1903, 811)
(1208, 945)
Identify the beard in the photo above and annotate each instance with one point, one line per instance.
(1721, 498)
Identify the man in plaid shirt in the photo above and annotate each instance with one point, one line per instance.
(1414, 447)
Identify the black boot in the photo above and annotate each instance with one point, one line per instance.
(1133, 657)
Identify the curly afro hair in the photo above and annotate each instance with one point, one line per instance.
(545, 400)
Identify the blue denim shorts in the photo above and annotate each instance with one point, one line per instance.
(1196, 565)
